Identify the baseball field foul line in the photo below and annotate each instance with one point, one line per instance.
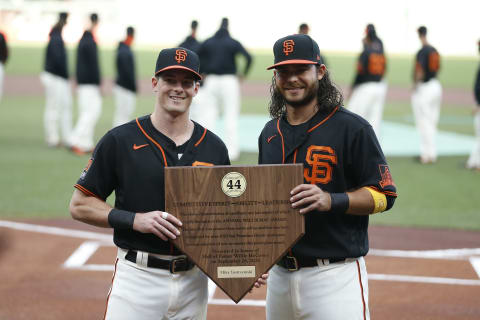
(80, 256)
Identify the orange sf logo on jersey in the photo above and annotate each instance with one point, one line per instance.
(321, 160)
(180, 55)
(288, 46)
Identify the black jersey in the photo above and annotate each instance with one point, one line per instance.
(3, 48)
(130, 160)
(371, 64)
(339, 152)
(125, 63)
(88, 69)
(56, 55)
(428, 60)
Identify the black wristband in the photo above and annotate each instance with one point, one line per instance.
(121, 219)
(340, 203)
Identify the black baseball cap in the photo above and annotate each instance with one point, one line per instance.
(178, 58)
(296, 49)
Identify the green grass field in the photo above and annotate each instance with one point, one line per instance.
(36, 181)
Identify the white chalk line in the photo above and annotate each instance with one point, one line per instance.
(81, 255)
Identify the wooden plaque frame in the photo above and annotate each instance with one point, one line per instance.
(237, 220)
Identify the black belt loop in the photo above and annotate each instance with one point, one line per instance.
(174, 266)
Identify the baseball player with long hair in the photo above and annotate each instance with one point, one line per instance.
(473, 161)
(369, 88)
(426, 97)
(152, 279)
(346, 178)
(88, 91)
(58, 93)
(126, 83)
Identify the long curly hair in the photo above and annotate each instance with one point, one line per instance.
(329, 96)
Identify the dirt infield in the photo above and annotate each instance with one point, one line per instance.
(414, 274)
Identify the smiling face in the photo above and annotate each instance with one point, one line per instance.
(174, 90)
(298, 83)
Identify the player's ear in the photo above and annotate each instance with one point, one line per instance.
(154, 84)
(197, 87)
(321, 70)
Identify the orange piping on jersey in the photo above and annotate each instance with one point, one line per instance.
(110, 291)
(202, 164)
(154, 142)
(283, 143)
(321, 122)
(295, 156)
(385, 192)
(203, 136)
(361, 288)
(87, 192)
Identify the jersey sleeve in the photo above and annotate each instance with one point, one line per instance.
(99, 178)
(370, 169)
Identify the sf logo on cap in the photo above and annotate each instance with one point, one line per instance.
(288, 46)
(180, 55)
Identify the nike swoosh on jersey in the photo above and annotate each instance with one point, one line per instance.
(270, 139)
(135, 147)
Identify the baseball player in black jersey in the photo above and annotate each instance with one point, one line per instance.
(126, 83)
(191, 41)
(346, 178)
(369, 88)
(152, 279)
(3, 60)
(57, 117)
(426, 97)
(88, 91)
(473, 161)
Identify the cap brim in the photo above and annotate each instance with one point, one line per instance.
(293, 61)
(199, 77)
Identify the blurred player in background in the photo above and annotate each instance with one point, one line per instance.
(191, 41)
(369, 89)
(222, 85)
(125, 86)
(3, 60)
(426, 97)
(474, 159)
(303, 28)
(88, 91)
(58, 93)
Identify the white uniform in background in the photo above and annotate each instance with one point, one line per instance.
(58, 109)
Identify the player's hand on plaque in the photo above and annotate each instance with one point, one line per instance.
(262, 281)
(309, 197)
(162, 224)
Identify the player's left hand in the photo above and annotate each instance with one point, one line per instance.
(309, 197)
(260, 281)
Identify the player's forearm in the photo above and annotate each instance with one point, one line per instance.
(361, 202)
(89, 209)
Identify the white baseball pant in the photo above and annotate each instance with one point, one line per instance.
(473, 161)
(426, 101)
(220, 90)
(58, 109)
(368, 100)
(143, 293)
(124, 105)
(89, 110)
(335, 291)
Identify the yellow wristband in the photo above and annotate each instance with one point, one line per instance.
(379, 199)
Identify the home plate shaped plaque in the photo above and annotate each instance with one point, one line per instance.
(237, 220)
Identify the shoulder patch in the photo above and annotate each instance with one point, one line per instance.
(387, 179)
(85, 170)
